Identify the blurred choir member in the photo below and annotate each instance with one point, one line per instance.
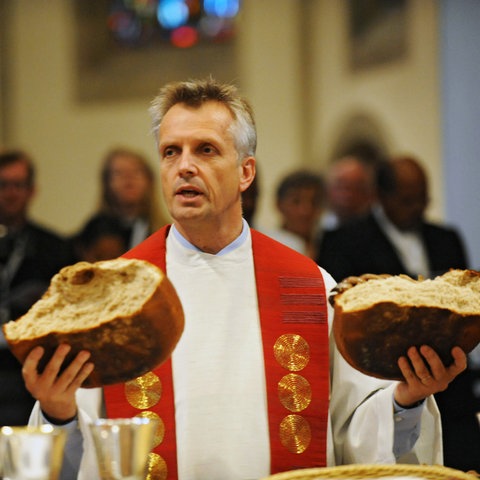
(350, 191)
(30, 254)
(128, 191)
(101, 238)
(299, 199)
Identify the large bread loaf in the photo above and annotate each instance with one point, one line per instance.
(124, 311)
(377, 318)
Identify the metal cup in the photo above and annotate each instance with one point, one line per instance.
(122, 446)
(31, 453)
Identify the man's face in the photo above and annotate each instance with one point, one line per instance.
(350, 191)
(15, 192)
(406, 206)
(201, 177)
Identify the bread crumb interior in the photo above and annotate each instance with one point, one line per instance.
(85, 295)
(456, 290)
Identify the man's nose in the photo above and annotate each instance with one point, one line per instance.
(187, 164)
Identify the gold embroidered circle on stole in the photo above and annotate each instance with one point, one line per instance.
(160, 432)
(292, 352)
(157, 468)
(295, 433)
(295, 392)
(144, 392)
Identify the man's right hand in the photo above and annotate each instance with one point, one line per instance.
(54, 390)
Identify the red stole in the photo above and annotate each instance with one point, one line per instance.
(293, 318)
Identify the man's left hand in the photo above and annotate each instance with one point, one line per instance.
(425, 374)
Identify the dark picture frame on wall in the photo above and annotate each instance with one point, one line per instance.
(378, 32)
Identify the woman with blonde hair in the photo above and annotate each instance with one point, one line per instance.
(129, 192)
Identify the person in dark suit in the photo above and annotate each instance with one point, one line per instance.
(30, 255)
(395, 238)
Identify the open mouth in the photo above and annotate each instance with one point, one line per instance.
(188, 192)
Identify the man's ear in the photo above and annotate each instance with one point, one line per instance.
(247, 172)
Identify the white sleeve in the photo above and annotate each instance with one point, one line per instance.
(362, 415)
(79, 449)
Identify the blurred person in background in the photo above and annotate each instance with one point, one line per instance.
(128, 191)
(30, 254)
(394, 237)
(101, 238)
(299, 199)
(350, 191)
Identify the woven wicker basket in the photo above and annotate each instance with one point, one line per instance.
(359, 472)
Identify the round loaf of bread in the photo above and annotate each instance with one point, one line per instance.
(377, 318)
(124, 311)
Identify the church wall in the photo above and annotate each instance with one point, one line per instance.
(292, 62)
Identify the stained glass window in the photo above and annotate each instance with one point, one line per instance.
(180, 23)
(129, 48)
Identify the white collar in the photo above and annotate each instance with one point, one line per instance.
(240, 240)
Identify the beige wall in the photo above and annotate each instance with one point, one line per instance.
(402, 97)
(67, 138)
(291, 65)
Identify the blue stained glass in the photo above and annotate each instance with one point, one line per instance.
(137, 23)
(221, 8)
(172, 13)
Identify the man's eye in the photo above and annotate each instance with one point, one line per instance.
(208, 149)
(168, 152)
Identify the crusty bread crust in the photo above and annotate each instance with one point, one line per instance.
(122, 347)
(372, 338)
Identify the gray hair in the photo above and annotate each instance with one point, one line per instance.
(195, 93)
